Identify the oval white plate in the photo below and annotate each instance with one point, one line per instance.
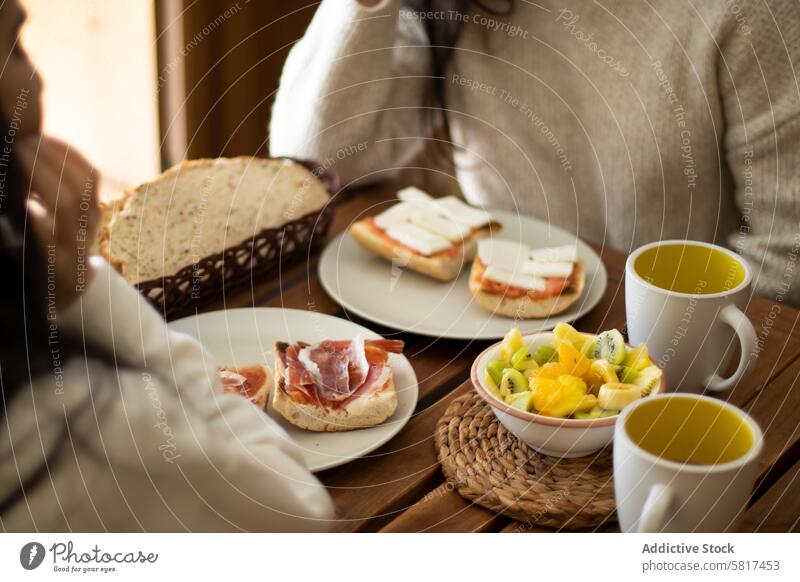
(239, 337)
(380, 291)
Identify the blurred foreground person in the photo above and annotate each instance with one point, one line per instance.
(111, 422)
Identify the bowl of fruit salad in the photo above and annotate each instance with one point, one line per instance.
(560, 392)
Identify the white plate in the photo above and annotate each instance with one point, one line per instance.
(239, 337)
(373, 288)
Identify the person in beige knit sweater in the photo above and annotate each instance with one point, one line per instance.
(624, 122)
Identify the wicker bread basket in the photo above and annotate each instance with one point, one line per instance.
(240, 266)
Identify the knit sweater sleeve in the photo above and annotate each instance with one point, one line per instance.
(758, 72)
(352, 91)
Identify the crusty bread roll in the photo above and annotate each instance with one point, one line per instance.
(524, 307)
(362, 412)
(201, 207)
(443, 266)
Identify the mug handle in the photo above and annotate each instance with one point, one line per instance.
(734, 317)
(654, 510)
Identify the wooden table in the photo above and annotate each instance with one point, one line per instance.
(400, 487)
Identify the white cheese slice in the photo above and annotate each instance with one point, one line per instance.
(562, 254)
(462, 213)
(397, 214)
(514, 279)
(442, 226)
(418, 238)
(414, 194)
(505, 254)
(545, 269)
(450, 206)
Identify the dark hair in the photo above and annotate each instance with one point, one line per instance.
(30, 342)
(24, 351)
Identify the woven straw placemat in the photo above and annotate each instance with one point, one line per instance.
(488, 465)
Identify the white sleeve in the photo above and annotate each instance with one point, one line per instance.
(353, 89)
(112, 316)
(216, 461)
(217, 464)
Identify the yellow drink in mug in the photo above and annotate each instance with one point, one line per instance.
(689, 268)
(683, 462)
(685, 430)
(685, 301)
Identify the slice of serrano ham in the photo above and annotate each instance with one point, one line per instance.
(252, 382)
(334, 373)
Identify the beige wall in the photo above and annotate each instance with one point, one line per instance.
(98, 61)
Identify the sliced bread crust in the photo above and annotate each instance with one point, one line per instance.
(444, 267)
(524, 307)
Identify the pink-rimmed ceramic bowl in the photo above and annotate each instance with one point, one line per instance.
(557, 437)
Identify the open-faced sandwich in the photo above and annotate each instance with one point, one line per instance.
(252, 382)
(335, 385)
(434, 236)
(509, 278)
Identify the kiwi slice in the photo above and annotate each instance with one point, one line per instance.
(589, 348)
(545, 354)
(611, 346)
(514, 381)
(495, 370)
(628, 375)
(607, 413)
(584, 415)
(522, 360)
(593, 412)
(523, 401)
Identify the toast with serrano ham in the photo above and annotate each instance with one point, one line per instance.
(335, 385)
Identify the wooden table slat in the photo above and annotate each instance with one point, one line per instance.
(778, 510)
(443, 510)
(374, 489)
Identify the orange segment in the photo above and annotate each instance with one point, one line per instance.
(574, 362)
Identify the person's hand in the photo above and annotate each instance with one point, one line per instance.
(63, 212)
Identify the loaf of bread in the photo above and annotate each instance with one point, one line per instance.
(200, 208)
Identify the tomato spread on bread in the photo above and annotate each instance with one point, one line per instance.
(514, 270)
(554, 285)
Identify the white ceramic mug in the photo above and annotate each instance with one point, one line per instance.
(685, 301)
(658, 490)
